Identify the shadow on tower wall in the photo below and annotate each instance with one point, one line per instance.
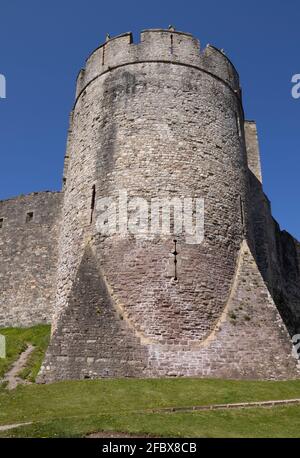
(277, 254)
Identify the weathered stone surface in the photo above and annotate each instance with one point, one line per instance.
(28, 251)
(253, 155)
(162, 119)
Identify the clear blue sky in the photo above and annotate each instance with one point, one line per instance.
(43, 44)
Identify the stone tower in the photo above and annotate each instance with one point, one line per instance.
(162, 119)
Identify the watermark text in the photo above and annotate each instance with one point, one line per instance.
(296, 87)
(2, 87)
(148, 218)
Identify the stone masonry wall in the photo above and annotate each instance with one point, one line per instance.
(92, 339)
(157, 126)
(130, 130)
(253, 154)
(181, 140)
(161, 119)
(156, 119)
(249, 341)
(28, 251)
(276, 251)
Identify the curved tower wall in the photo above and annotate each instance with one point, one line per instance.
(157, 119)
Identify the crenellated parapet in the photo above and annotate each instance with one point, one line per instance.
(158, 45)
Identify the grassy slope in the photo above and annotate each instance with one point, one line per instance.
(16, 342)
(273, 422)
(78, 407)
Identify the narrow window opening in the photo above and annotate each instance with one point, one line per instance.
(242, 213)
(1, 222)
(175, 253)
(238, 125)
(171, 48)
(172, 220)
(103, 55)
(29, 217)
(93, 202)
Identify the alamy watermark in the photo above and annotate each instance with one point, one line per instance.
(2, 87)
(296, 87)
(2, 346)
(149, 218)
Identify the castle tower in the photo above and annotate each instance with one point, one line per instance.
(159, 121)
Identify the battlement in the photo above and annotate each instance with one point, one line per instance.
(30, 195)
(157, 45)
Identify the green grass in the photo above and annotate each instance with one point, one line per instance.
(263, 422)
(16, 342)
(77, 407)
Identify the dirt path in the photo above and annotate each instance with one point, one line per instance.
(12, 375)
(16, 425)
